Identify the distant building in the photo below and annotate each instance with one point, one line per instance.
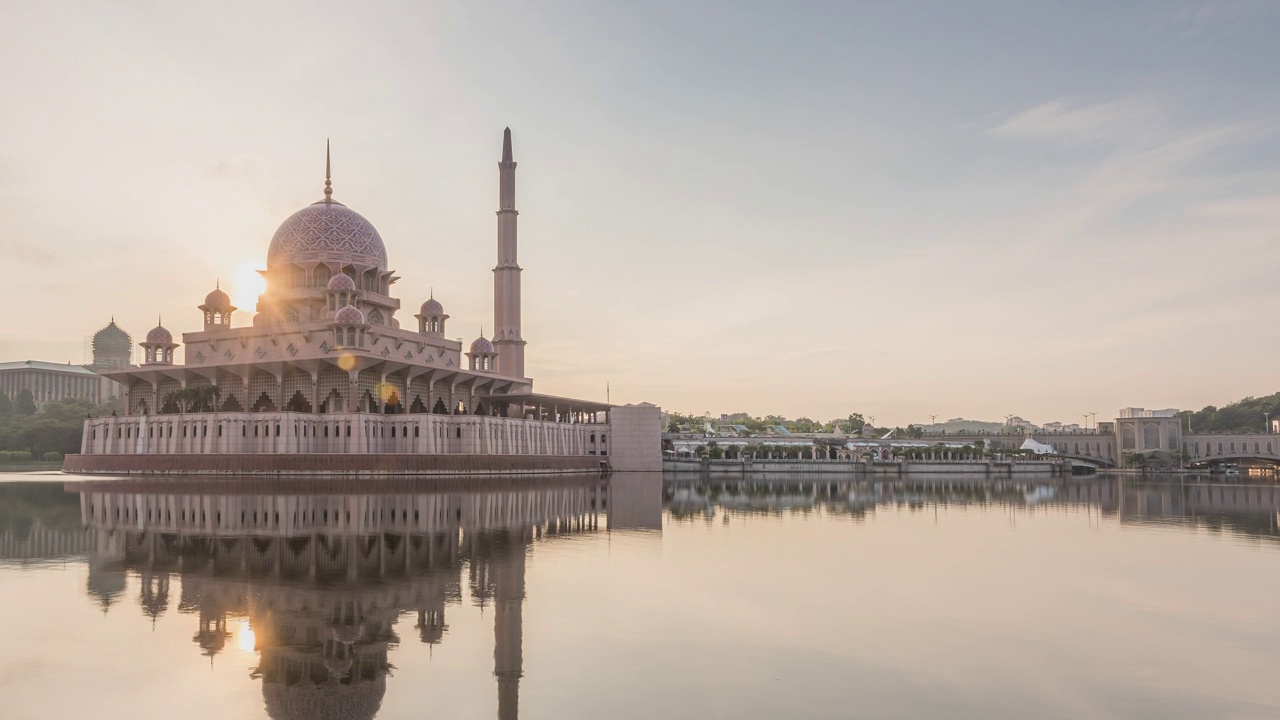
(112, 348)
(50, 382)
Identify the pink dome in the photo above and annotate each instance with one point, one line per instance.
(327, 232)
(481, 347)
(432, 307)
(217, 300)
(341, 282)
(159, 336)
(349, 315)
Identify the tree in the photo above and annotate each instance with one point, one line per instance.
(26, 403)
(6, 405)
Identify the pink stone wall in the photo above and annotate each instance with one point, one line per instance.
(328, 464)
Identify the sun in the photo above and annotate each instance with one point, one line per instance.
(248, 286)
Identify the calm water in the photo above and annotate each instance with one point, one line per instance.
(634, 599)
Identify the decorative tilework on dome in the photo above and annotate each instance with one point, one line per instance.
(327, 232)
(432, 307)
(360, 700)
(341, 283)
(481, 346)
(159, 336)
(349, 315)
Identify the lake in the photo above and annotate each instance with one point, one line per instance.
(635, 597)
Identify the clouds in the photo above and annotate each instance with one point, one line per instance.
(1109, 122)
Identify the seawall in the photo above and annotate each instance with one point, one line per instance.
(851, 468)
(346, 465)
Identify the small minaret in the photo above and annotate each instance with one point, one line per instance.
(507, 340)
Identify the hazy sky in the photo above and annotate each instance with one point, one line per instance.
(898, 208)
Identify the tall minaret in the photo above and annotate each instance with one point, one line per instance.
(506, 276)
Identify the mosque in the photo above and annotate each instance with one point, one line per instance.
(328, 366)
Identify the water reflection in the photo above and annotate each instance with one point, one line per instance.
(320, 589)
(320, 578)
(1241, 508)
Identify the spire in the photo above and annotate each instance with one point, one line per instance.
(506, 145)
(328, 184)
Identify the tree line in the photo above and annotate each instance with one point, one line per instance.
(1242, 416)
(56, 429)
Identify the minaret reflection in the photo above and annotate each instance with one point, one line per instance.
(317, 580)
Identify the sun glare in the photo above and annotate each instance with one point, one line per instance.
(245, 638)
(248, 286)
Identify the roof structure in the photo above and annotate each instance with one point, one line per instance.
(47, 366)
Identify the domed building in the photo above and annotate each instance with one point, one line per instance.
(112, 348)
(325, 366)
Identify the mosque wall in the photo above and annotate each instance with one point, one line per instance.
(298, 432)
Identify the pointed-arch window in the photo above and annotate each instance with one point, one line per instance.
(375, 317)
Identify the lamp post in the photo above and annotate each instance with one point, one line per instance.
(933, 420)
(1086, 422)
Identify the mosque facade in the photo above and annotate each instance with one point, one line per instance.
(330, 364)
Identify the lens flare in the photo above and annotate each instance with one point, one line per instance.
(248, 286)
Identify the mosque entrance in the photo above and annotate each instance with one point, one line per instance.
(298, 403)
(440, 408)
(418, 407)
(264, 404)
(332, 402)
(232, 404)
(392, 406)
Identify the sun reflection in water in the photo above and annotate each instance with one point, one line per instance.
(244, 637)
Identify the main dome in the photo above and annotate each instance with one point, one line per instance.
(327, 231)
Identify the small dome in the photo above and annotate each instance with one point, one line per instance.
(481, 346)
(349, 315)
(341, 282)
(217, 300)
(159, 336)
(432, 307)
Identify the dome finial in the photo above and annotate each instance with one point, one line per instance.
(328, 184)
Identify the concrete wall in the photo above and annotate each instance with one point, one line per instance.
(635, 438)
(756, 468)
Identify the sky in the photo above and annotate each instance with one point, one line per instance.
(902, 209)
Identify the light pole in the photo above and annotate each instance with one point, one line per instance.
(933, 420)
(1095, 421)
(1086, 422)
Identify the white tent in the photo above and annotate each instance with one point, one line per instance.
(1038, 448)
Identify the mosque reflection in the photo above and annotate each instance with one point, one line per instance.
(322, 575)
